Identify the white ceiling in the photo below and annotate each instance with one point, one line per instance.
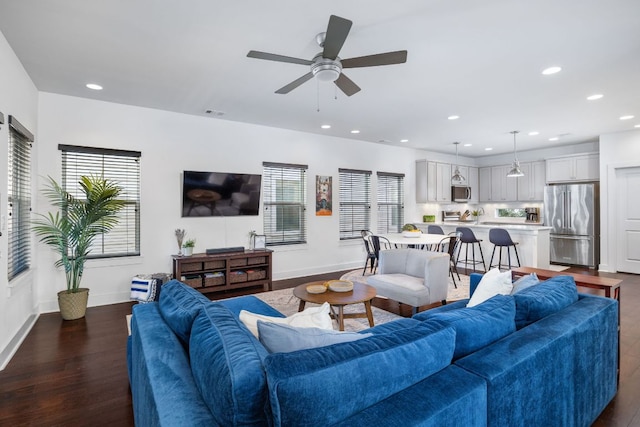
(481, 60)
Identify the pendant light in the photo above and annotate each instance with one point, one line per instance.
(515, 167)
(457, 177)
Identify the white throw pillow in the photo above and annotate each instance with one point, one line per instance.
(492, 283)
(312, 317)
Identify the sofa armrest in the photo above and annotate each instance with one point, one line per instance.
(474, 281)
(162, 386)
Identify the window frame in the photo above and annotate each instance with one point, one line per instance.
(121, 166)
(19, 190)
(354, 193)
(389, 200)
(274, 178)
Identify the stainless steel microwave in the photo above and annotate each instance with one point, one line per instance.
(460, 193)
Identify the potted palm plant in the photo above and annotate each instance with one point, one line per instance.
(71, 230)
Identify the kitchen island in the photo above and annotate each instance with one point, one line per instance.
(533, 241)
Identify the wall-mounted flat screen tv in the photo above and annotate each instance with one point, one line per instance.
(220, 194)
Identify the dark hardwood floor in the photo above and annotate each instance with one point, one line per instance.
(74, 373)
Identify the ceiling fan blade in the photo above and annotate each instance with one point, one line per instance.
(337, 32)
(294, 84)
(347, 85)
(389, 58)
(278, 58)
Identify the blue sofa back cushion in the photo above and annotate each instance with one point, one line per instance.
(321, 386)
(179, 306)
(548, 297)
(226, 363)
(477, 326)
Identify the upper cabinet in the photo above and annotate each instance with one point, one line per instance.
(503, 189)
(495, 186)
(433, 181)
(585, 167)
(484, 187)
(531, 185)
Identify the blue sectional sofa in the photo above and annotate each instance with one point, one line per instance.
(192, 362)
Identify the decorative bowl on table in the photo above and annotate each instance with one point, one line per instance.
(316, 289)
(411, 233)
(339, 285)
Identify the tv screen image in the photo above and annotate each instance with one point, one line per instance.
(220, 194)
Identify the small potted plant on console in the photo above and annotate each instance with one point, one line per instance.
(188, 247)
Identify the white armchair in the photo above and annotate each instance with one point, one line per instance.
(413, 277)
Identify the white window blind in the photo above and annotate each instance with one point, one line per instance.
(19, 197)
(122, 167)
(355, 202)
(285, 195)
(390, 202)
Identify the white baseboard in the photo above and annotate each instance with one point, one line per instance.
(14, 344)
(291, 274)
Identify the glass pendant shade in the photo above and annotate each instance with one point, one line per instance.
(515, 166)
(457, 177)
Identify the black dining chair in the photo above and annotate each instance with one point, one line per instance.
(450, 245)
(379, 243)
(371, 256)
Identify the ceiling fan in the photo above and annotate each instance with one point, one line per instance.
(326, 65)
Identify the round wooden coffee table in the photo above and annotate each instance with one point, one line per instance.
(361, 293)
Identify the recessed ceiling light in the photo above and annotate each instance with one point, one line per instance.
(551, 70)
(404, 140)
(626, 117)
(94, 86)
(453, 117)
(554, 138)
(595, 96)
(534, 133)
(488, 149)
(467, 145)
(355, 131)
(637, 126)
(326, 126)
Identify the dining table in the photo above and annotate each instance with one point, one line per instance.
(398, 239)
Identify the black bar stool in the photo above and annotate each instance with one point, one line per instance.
(435, 229)
(501, 238)
(468, 238)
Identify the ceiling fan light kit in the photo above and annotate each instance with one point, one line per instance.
(515, 171)
(326, 66)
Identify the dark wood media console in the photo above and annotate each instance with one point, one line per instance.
(226, 271)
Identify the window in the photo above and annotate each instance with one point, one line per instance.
(285, 189)
(355, 202)
(120, 166)
(390, 202)
(19, 195)
(511, 213)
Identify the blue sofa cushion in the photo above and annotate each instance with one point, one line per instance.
(324, 385)
(226, 362)
(281, 338)
(179, 306)
(525, 282)
(548, 297)
(477, 326)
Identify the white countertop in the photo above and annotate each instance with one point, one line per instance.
(490, 224)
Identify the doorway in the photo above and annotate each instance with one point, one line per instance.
(628, 220)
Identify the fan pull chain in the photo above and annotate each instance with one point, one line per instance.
(318, 95)
(335, 92)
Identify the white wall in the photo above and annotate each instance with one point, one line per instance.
(18, 308)
(171, 143)
(617, 150)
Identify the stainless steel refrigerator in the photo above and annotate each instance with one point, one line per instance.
(572, 210)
